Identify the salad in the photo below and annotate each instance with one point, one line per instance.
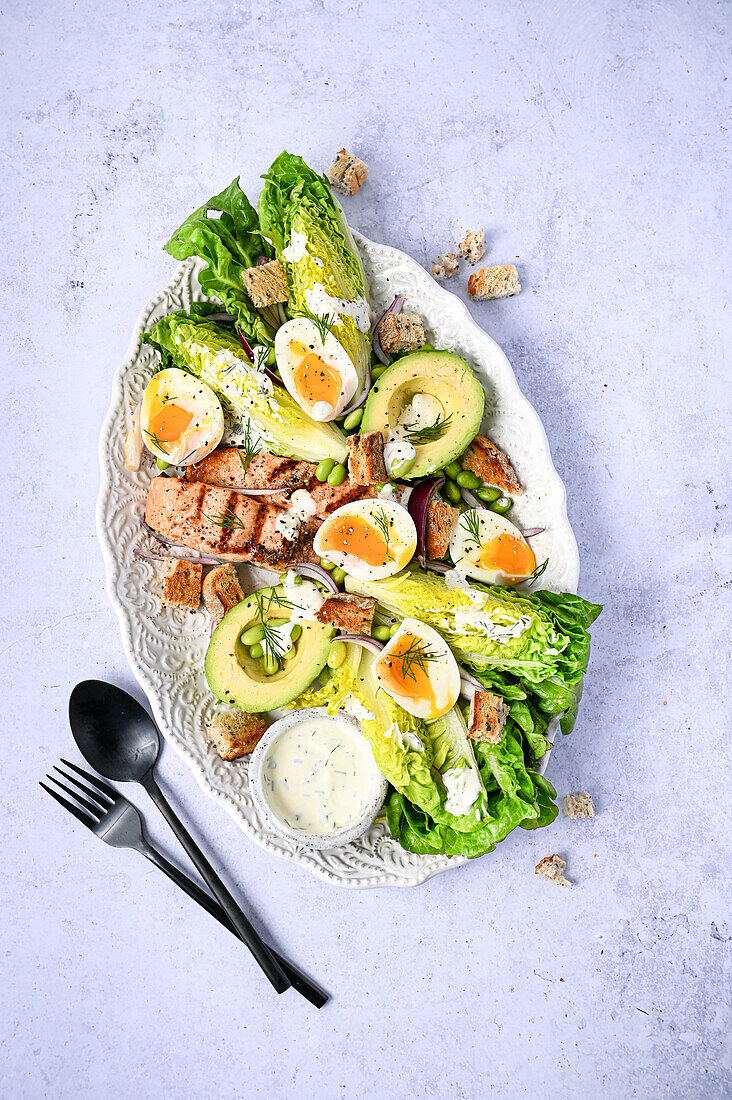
(295, 431)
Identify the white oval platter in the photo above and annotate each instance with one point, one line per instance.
(165, 648)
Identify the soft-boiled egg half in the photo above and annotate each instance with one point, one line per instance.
(417, 669)
(319, 375)
(369, 539)
(181, 417)
(490, 548)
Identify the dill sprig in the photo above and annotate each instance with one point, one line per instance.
(382, 522)
(272, 643)
(540, 569)
(470, 521)
(415, 654)
(251, 448)
(430, 433)
(323, 323)
(228, 520)
(156, 442)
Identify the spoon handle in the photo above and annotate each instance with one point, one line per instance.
(244, 929)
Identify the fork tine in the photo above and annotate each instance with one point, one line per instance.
(78, 814)
(96, 796)
(93, 779)
(93, 811)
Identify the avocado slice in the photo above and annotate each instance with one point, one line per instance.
(235, 678)
(442, 375)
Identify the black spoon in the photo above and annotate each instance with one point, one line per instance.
(119, 739)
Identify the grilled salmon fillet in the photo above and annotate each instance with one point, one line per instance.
(218, 521)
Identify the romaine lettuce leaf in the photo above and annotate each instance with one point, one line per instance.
(296, 200)
(228, 244)
(213, 353)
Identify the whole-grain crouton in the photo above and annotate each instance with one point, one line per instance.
(442, 519)
(472, 246)
(266, 285)
(445, 266)
(221, 591)
(491, 465)
(501, 281)
(347, 172)
(401, 332)
(366, 458)
(488, 714)
(552, 867)
(353, 614)
(578, 805)
(235, 734)
(182, 584)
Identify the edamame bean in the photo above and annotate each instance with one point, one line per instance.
(296, 578)
(376, 372)
(271, 357)
(337, 475)
(323, 469)
(488, 495)
(452, 492)
(290, 653)
(401, 469)
(466, 479)
(338, 575)
(161, 464)
(336, 654)
(277, 622)
(352, 420)
(252, 635)
(270, 664)
(256, 651)
(393, 629)
(453, 469)
(327, 564)
(295, 632)
(501, 506)
(381, 633)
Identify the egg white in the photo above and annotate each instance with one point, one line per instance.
(174, 387)
(402, 538)
(442, 671)
(465, 553)
(332, 352)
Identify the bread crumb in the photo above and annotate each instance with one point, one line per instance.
(445, 266)
(552, 867)
(578, 805)
(501, 281)
(347, 172)
(472, 246)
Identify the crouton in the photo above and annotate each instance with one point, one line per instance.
(182, 584)
(354, 614)
(445, 266)
(442, 519)
(401, 332)
(494, 282)
(472, 246)
(491, 465)
(366, 458)
(552, 867)
(235, 734)
(347, 172)
(221, 591)
(578, 805)
(265, 285)
(488, 714)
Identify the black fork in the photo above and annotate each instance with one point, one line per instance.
(114, 819)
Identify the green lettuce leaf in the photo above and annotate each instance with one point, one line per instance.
(228, 244)
(213, 353)
(295, 199)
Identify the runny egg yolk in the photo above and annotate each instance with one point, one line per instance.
(315, 380)
(352, 535)
(169, 424)
(507, 554)
(405, 670)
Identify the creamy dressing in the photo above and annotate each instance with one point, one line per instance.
(397, 451)
(421, 412)
(353, 706)
(467, 620)
(317, 776)
(463, 787)
(456, 580)
(296, 248)
(302, 507)
(303, 600)
(321, 303)
(408, 739)
(386, 492)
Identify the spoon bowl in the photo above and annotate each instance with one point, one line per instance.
(113, 731)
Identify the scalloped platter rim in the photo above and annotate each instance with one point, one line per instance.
(165, 648)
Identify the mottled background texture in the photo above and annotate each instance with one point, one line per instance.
(590, 140)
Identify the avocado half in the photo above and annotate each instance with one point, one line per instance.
(235, 678)
(442, 375)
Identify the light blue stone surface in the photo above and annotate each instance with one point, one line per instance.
(591, 142)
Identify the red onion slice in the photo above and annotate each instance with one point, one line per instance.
(361, 397)
(471, 501)
(245, 344)
(469, 685)
(316, 573)
(419, 498)
(272, 376)
(531, 531)
(364, 640)
(202, 560)
(379, 352)
(438, 566)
